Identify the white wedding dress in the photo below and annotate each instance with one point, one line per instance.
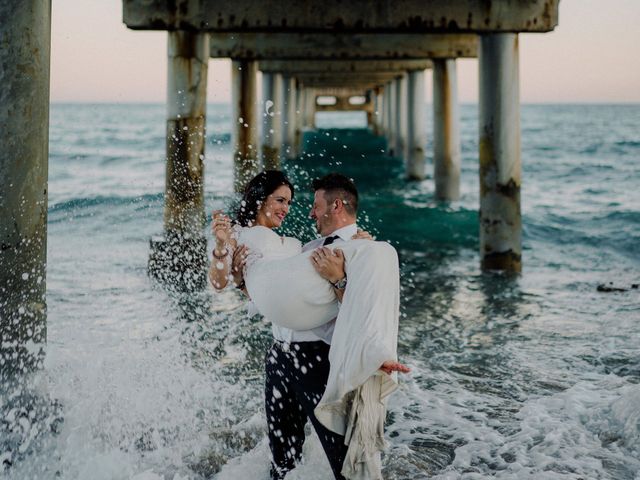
(287, 291)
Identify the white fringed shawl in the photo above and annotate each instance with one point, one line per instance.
(365, 336)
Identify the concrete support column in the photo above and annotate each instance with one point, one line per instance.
(310, 108)
(289, 117)
(378, 111)
(272, 126)
(446, 133)
(500, 216)
(180, 258)
(24, 135)
(392, 108)
(244, 102)
(416, 126)
(369, 108)
(299, 117)
(383, 111)
(400, 116)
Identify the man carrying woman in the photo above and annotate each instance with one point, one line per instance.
(302, 361)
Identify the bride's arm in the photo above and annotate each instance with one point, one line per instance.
(224, 246)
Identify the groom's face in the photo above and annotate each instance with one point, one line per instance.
(322, 213)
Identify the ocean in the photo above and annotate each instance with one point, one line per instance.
(535, 376)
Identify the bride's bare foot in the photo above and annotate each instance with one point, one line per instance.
(389, 367)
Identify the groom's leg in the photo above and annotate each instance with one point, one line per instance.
(285, 417)
(310, 382)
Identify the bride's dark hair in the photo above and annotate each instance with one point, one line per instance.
(256, 192)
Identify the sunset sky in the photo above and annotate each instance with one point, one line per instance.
(592, 56)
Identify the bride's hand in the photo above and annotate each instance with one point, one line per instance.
(389, 367)
(362, 235)
(221, 228)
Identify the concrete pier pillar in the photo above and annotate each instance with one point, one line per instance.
(24, 133)
(400, 116)
(369, 109)
(180, 258)
(310, 108)
(383, 110)
(392, 108)
(500, 170)
(379, 110)
(416, 126)
(272, 125)
(299, 117)
(244, 103)
(446, 133)
(289, 117)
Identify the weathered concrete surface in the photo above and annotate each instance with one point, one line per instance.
(272, 125)
(500, 169)
(340, 46)
(360, 80)
(188, 57)
(336, 15)
(416, 126)
(401, 116)
(340, 92)
(376, 114)
(300, 98)
(339, 67)
(446, 132)
(179, 258)
(392, 106)
(25, 36)
(289, 117)
(343, 104)
(244, 102)
(309, 108)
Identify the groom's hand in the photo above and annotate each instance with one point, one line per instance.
(328, 263)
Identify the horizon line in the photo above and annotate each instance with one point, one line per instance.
(112, 102)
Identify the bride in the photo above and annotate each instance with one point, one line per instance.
(286, 289)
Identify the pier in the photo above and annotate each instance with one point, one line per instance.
(375, 50)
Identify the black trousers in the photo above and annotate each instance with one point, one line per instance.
(296, 377)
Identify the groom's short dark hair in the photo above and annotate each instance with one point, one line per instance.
(337, 185)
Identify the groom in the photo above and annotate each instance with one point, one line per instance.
(297, 365)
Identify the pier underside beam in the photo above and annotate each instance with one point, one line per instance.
(272, 126)
(419, 16)
(341, 67)
(346, 79)
(180, 258)
(244, 101)
(416, 126)
(500, 170)
(341, 46)
(24, 133)
(446, 136)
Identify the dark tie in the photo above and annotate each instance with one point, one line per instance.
(329, 240)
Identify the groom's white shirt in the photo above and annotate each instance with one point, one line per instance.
(323, 332)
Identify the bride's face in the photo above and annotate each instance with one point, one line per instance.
(275, 208)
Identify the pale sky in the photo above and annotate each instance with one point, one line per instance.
(592, 56)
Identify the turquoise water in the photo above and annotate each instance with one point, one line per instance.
(514, 378)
